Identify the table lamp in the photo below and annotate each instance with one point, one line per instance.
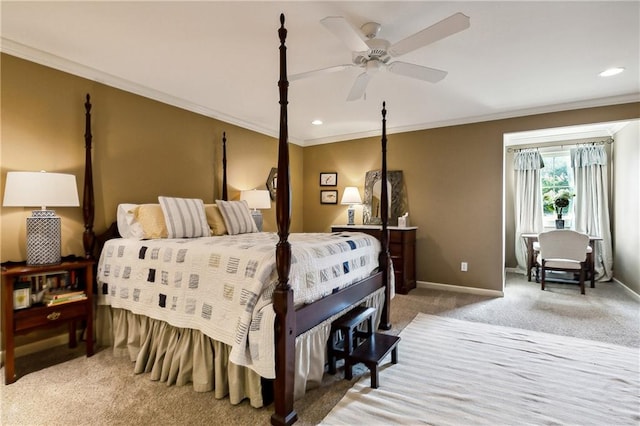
(351, 196)
(257, 199)
(32, 189)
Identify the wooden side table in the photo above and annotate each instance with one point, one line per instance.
(39, 315)
(402, 248)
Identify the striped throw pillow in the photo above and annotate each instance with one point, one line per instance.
(185, 217)
(237, 217)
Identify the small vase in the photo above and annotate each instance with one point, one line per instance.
(559, 223)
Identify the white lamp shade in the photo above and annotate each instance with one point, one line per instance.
(40, 189)
(256, 198)
(351, 195)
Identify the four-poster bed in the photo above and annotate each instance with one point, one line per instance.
(293, 319)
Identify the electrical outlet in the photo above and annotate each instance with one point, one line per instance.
(463, 266)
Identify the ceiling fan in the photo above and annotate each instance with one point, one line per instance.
(374, 54)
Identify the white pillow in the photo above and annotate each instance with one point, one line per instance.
(237, 217)
(126, 221)
(185, 217)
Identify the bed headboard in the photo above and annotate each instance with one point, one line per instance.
(93, 244)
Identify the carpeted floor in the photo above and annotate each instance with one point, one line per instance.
(483, 374)
(60, 386)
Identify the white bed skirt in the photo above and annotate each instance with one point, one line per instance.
(180, 356)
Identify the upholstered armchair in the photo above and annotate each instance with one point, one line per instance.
(563, 250)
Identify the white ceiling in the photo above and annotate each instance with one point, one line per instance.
(220, 59)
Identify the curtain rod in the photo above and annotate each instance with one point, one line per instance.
(607, 141)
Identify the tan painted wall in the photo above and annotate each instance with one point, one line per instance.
(142, 149)
(626, 201)
(454, 180)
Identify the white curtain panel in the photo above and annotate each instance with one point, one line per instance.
(591, 204)
(528, 199)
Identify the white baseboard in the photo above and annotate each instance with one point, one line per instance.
(460, 289)
(632, 293)
(496, 293)
(40, 345)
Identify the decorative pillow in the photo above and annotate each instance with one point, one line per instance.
(215, 219)
(125, 219)
(237, 217)
(185, 217)
(151, 220)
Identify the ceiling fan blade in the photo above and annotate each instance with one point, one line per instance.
(431, 75)
(359, 87)
(448, 26)
(350, 36)
(314, 73)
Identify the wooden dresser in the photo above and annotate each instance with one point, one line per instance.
(402, 247)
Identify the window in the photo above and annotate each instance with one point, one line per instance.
(556, 177)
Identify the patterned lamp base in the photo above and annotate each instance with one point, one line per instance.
(351, 215)
(257, 218)
(43, 238)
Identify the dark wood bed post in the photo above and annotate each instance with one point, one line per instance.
(225, 196)
(285, 327)
(88, 205)
(384, 259)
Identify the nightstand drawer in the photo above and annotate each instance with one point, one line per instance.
(40, 316)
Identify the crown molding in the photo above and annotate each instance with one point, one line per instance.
(591, 103)
(22, 51)
(31, 54)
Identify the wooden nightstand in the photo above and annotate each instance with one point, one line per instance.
(40, 315)
(402, 247)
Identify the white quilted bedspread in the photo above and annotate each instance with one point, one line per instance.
(222, 286)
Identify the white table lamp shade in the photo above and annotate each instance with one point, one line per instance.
(41, 189)
(351, 197)
(257, 199)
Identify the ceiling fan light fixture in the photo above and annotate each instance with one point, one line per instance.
(373, 66)
(611, 72)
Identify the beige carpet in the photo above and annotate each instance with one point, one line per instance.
(62, 387)
(454, 372)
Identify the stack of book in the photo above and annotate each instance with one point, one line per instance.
(52, 298)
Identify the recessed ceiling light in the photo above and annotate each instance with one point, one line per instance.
(316, 122)
(611, 71)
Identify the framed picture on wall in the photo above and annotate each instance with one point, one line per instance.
(328, 179)
(329, 196)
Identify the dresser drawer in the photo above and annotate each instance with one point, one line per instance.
(402, 237)
(398, 263)
(39, 316)
(396, 250)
